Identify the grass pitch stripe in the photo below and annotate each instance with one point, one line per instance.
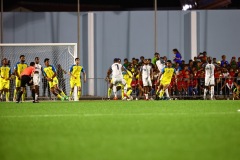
(102, 115)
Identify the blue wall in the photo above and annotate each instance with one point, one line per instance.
(128, 34)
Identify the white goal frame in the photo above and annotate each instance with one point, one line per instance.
(74, 55)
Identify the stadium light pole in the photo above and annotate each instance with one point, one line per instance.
(155, 26)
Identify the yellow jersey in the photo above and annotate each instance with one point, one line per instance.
(49, 71)
(76, 70)
(5, 72)
(19, 67)
(168, 73)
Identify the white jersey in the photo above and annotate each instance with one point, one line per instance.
(38, 68)
(146, 70)
(160, 64)
(209, 70)
(116, 70)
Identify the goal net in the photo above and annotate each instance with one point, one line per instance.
(61, 56)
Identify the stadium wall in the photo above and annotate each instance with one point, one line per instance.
(127, 34)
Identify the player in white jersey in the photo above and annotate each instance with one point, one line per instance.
(36, 77)
(146, 75)
(117, 77)
(209, 78)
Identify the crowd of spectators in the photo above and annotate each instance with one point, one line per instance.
(191, 75)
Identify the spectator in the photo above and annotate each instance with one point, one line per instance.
(195, 61)
(141, 60)
(215, 62)
(227, 87)
(154, 60)
(126, 63)
(178, 56)
(238, 63)
(193, 85)
(224, 61)
(237, 79)
(233, 63)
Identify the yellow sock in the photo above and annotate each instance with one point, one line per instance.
(7, 96)
(122, 93)
(79, 94)
(161, 93)
(23, 96)
(60, 97)
(109, 92)
(129, 92)
(63, 94)
(70, 94)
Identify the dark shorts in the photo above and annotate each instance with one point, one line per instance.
(26, 80)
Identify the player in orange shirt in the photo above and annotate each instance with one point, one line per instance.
(26, 78)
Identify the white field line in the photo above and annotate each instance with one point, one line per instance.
(114, 115)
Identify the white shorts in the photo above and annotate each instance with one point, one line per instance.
(147, 81)
(118, 80)
(209, 81)
(36, 79)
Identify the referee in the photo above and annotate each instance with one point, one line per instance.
(26, 78)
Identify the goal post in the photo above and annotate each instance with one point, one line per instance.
(61, 55)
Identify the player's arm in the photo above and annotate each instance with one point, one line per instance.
(160, 74)
(108, 74)
(16, 72)
(54, 71)
(151, 73)
(129, 73)
(70, 72)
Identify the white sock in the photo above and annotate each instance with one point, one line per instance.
(146, 95)
(115, 90)
(205, 92)
(166, 91)
(212, 92)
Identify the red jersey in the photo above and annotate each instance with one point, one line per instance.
(232, 74)
(28, 71)
(229, 81)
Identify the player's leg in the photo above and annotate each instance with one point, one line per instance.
(56, 88)
(72, 84)
(6, 90)
(36, 82)
(129, 89)
(17, 88)
(212, 83)
(110, 90)
(23, 83)
(206, 87)
(56, 91)
(114, 88)
(32, 87)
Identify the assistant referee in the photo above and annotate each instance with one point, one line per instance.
(26, 78)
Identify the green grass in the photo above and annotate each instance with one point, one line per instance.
(116, 130)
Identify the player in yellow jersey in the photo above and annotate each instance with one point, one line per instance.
(75, 80)
(18, 68)
(167, 74)
(5, 76)
(127, 76)
(50, 74)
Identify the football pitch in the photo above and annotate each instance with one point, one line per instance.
(120, 130)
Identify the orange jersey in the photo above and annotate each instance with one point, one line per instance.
(28, 71)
